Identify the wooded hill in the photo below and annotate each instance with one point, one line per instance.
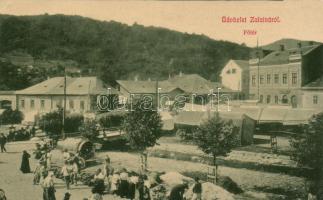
(34, 47)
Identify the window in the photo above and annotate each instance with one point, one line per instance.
(276, 99)
(315, 99)
(294, 78)
(229, 72)
(284, 78)
(42, 104)
(82, 105)
(253, 79)
(268, 78)
(71, 102)
(22, 103)
(285, 99)
(261, 98)
(233, 71)
(59, 103)
(261, 79)
(268, 99)
(32, 103)
(276, 78)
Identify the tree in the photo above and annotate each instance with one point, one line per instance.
(143, 128)
(216, 137)
(10, 116)
(307, 149)
(52, 123)
(89, 130)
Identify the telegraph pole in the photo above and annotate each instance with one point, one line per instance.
(64, 106)
(258, 75)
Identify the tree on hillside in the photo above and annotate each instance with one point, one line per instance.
(307, 150)
(217, 138)
(143, 128)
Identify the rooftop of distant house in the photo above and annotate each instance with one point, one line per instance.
(317, 84)
(284, 55)
(188, 83)
(74, 86)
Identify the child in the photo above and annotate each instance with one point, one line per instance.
(75, 173)
(197, 190)
(67, 170)
(38, 173)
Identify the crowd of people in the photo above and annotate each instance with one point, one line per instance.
(106, 180)
(24, 133)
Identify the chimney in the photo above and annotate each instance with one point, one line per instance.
(282, 47)
(299, 44)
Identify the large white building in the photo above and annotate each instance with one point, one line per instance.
(235, 76)
(44, 97)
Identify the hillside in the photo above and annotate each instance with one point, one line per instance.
(288, 43)
(109, 49)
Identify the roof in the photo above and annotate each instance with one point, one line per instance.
(282, 57)
(188, 83)
(74, 86)
(318, 83)
(243, 64)
(146, 87)
(196, 118)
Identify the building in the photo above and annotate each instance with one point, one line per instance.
(277, 77)
(235, 76)
(312, 95)
(183, 87)
(44, 97)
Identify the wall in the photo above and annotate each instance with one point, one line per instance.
(276, 89)
(231, 80)
(307, 99)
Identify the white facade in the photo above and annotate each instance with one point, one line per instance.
(231, 76)
(312, 98)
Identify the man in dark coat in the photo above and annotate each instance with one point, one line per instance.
(25, 167)
(3, 141)
(177, 192)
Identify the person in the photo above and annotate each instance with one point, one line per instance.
(75, 172)
(108, 170)
(177, 193)
(67, 170)
(132, 187)
(48, 159)
(66, 155)
(67, 196)
(38, 172)
(99, 181)
(25, 167)
(124, 185)
(143, 188)
(2, 195)
(3, 141)
(197, 190)
(95, 194)
(48, 187)
(115, 181)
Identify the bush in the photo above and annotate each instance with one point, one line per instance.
(112, 120)
(10, 116)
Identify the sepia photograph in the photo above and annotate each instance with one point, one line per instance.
(161, 100)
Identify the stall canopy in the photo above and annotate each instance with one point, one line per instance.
(196, 118)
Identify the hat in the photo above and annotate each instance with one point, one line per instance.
(67, 194)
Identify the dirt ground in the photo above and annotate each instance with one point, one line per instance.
(19, 186)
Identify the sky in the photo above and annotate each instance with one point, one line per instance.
(300, 19)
